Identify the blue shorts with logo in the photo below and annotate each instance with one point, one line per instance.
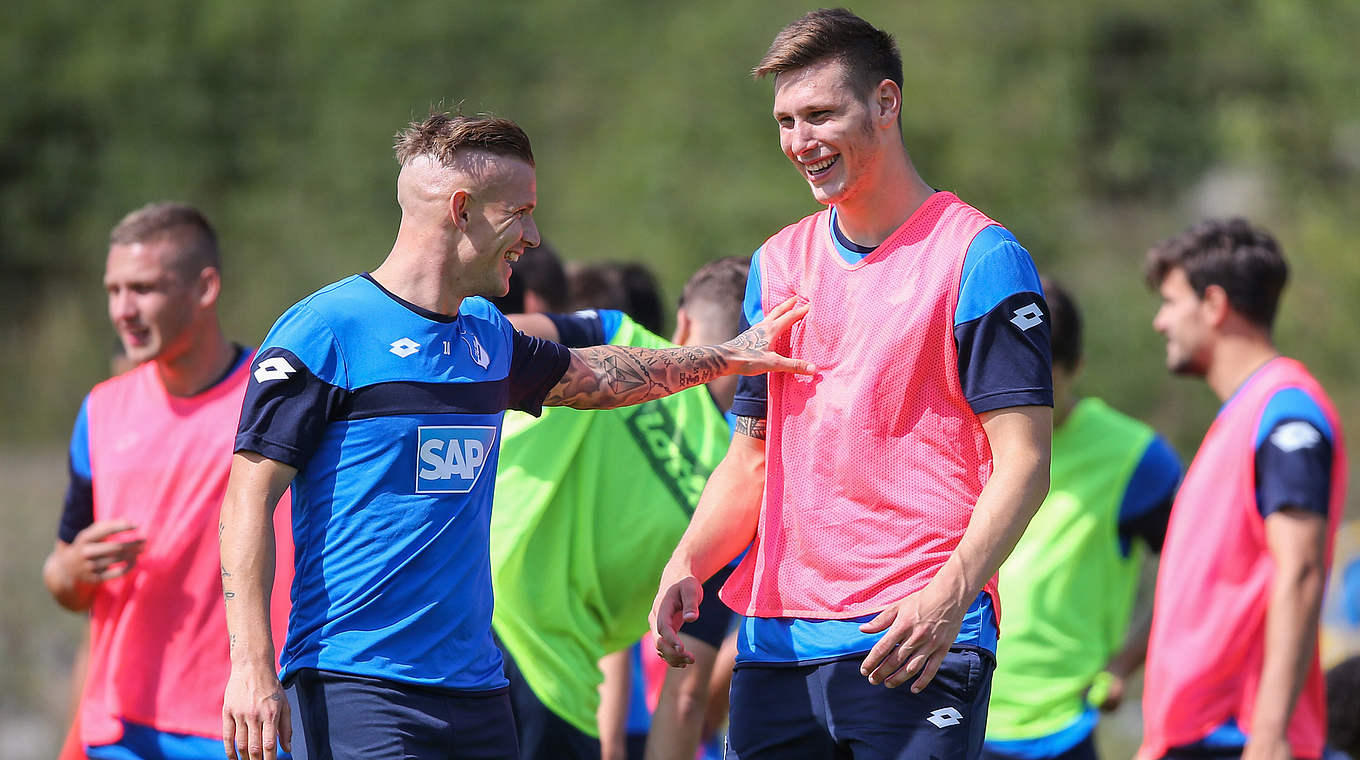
(828, 711)
(343, 717)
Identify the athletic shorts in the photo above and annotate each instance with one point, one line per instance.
(345, 717)
(715, 617)
(543, 734)
(828, 711)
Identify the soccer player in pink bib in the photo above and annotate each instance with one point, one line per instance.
(1232, 665)
(879, 496)
(136, 545)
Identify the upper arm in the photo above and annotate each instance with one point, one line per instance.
(1146, 506)
(257, 479)
(538, 368)
(536, 325)
(1294, 455)
(752, 394)
(77, 511)
(1296, 538)
(1020, 437)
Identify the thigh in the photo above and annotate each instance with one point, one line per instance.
(946, 721)
(778, 714)
(482, 727)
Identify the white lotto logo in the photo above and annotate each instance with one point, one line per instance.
(276, 368)
(1028, 316)
(404, 347)
(945, 717)
(450, 458)
(1293, 436)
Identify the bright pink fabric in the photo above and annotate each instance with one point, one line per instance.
(875, 463)
(158, 635)
(1213, 585)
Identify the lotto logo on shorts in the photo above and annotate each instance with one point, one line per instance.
(450, 458)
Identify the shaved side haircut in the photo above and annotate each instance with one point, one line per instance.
(441, 136)
(712, 296)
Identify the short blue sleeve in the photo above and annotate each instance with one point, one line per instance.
(1146, 506)
(77, 512)
(296, 388)
(1001, 326)
(536, 365)
(1294, 455)
(751, 398)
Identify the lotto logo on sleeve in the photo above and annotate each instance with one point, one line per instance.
(450, 458)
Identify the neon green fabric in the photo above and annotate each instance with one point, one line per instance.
(1067, 588)
(589, 506)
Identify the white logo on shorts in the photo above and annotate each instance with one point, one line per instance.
(276, 368)
(404, 347)
(1028, 316)
(946, 717)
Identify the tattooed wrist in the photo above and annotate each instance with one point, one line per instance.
(752, 427)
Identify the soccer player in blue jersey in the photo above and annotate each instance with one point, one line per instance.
(870, 555)
(380, 399)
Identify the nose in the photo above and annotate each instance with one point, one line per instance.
(1159, 320)
(531, 238)
(800, 138)
(121, 305)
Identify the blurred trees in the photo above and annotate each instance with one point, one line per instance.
(1091, 129)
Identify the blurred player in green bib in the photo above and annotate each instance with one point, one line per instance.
(1071, 582)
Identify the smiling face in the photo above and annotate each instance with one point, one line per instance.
(151, 305)
(499, 226)
(828, 131)
(1183, 320)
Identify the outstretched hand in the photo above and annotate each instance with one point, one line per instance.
(750, 352)
(675, 605)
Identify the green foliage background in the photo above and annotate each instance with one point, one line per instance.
(1091, 129)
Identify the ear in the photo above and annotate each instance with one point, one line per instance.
(1215, 305)
(683, 327)
(887, 102)
(209, 287)
(458, 208)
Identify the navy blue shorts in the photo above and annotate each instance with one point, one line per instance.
(715, 617)
(829, 711)
(345, 717)
(543, 734)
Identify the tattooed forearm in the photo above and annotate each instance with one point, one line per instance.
(753, 427)
(604, 377)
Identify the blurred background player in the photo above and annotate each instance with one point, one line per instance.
(1232, 665)
(1343, 710)
(588, 508)
(1071, 583)
(538, 283)
(149, 460)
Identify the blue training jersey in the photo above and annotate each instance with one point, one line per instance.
(392, 416)
(1004, 361)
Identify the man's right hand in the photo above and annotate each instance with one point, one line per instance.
(677, 603)
(73, 571)
(256, 719)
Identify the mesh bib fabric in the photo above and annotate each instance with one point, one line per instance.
(1208, 625)
(874, 463)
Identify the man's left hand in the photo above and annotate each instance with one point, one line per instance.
(920, 631)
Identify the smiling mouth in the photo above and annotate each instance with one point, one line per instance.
(821, 167)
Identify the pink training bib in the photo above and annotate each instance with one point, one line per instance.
(158, 635)
(875, 463)
(1213, 587)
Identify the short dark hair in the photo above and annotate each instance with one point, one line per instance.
(1244, 260)
(1064, 322)
(442, 135)
(194, 237)
(540, 269)
(869, 54)
(1343, 706)
(625, 286)
(713, 295)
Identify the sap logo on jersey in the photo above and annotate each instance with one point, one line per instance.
(449, 458)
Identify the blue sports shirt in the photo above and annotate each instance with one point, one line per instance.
(392, 416)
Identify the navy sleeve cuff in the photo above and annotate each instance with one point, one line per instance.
(536, 367)
(77, 513)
